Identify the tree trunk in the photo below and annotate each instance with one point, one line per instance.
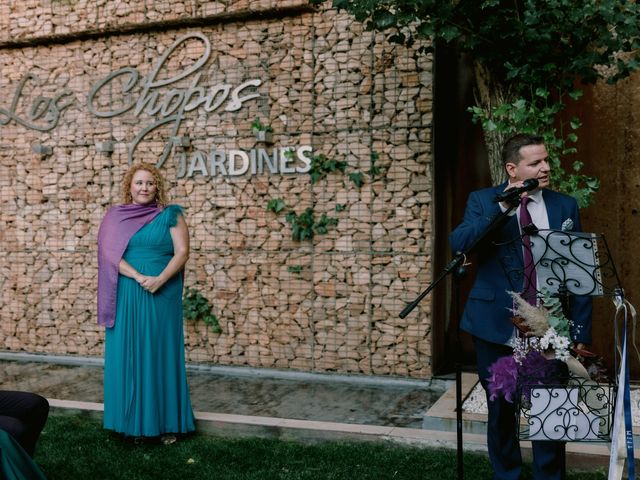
(489, 95)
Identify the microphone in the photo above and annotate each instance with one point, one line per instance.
(510, 195)
(530, 229)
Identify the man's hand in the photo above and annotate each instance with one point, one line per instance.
(516, 200)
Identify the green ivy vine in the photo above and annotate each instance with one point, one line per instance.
(196, 307)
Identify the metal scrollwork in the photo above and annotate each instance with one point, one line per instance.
(581, 411)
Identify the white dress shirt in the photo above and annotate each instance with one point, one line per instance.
(537, 210)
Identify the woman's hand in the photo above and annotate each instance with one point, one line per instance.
(150, 284)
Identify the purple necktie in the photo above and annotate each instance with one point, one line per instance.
(529, 292)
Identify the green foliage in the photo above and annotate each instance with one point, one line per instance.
(275, 205)
(374, 171)
(357, 178)
(321, 166)
(196, 307)
(301, 225)
(305, 226)
(77, 447)
(258, 126)
(294, 269)
(557, 319)
(527, 42)
(322, 226)
(288, 153)
(538, 116)
(533, 49)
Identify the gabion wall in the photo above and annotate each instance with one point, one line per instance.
(84, 90)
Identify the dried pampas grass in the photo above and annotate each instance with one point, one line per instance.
(536, 318)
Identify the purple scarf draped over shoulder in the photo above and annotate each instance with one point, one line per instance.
(119, 224)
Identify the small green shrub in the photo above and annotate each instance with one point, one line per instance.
(258, 126)
(196, 307)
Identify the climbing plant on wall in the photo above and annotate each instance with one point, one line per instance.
(530, 59)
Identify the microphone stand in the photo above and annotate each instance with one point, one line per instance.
(457, 267)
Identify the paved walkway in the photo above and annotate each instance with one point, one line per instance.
(244, 391)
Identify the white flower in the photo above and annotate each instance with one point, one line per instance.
(561, 342)
(562, 355)
(520, 349)
(547, 340)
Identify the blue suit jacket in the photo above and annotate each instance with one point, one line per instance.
(487, 314)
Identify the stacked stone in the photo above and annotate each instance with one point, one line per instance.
(34, 19)
(326, 304)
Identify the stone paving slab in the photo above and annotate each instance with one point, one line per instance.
(244, 391)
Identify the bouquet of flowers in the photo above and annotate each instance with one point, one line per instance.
(546, 339)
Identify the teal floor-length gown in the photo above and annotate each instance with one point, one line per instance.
(15, 463)
(145, 382)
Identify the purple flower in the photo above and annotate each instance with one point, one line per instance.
(504, 379)
(507, 375)
(536, 370)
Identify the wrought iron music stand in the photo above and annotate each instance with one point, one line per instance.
(581, 410)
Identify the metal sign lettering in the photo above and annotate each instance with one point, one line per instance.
(172, 105)
(155, 97)
(238, 162)
(48, 109)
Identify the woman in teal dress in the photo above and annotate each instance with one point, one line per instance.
(143, 246)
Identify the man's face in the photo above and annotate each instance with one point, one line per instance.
(534, 163)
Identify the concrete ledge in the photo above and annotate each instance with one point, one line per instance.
(69, 406)
(290, 429)
(239, 371)
(442, 414)
(309, 430)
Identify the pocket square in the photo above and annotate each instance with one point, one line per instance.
(567, 225)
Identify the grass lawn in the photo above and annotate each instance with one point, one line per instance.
(77, 448)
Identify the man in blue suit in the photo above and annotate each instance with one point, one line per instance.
(487, 315)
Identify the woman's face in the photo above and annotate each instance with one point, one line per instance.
(143, 188)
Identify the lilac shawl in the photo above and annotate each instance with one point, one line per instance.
(119, 224)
